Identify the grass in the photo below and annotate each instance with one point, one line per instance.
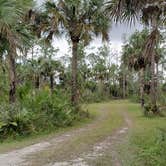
(21, 142)
(147, 139)
(146, 144)
(107, 120)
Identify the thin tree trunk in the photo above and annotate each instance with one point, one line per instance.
(51, 83)
(142, 87)
(157, 80)
(12, 77)
(124, 85)
(162, 67)
(32, 53)
(37, 82)
(74, 88)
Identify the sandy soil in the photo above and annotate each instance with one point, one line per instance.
(20, 157)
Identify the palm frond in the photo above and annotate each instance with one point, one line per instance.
(151, 43)
(124, 10)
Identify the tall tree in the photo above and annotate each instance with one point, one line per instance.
(81, 20)
(132, 57)
(150, 12)
(13, 34)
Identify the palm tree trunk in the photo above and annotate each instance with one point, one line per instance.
(12, 78)
(153, 87)
(74, 88)
(142, 87)
(153, 91)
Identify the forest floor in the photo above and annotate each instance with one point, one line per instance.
(104, 141)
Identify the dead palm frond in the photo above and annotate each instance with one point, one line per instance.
(131, 10)
(150, 44)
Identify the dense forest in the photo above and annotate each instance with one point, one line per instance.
(41, 92)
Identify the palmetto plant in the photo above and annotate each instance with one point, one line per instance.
(81, 19)
(13, 35)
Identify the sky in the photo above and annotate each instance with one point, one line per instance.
(116, 34)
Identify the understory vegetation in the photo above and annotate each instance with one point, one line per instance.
(44, 88)
(36, 112)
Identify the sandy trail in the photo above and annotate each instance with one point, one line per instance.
(19, 157)
(100, 148)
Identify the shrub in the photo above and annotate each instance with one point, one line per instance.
(14, 121)
(37, 111)
(150, 109)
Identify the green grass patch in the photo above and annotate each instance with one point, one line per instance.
(108, 118)
(146, 144)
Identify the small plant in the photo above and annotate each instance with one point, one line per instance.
(14, 121)
(150, 109)
(153, 154)
(37, 111)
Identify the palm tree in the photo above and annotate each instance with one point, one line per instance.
(12, 33)
(132, 57)
(49, 68)
(133, 10)
(150, 12)
(81, 20)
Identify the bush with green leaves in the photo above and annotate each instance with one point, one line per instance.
(14, 121)
(38, 110)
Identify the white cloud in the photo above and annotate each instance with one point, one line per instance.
(116, 35)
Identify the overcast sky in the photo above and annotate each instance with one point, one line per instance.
(116, 37)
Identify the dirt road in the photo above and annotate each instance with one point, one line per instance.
(79, 147)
